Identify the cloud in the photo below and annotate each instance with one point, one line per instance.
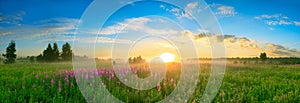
(276, 19)
(274, 16)
(44, 29)
(223, 10)
(244, 43)
(226, 10)
(128, 24)
(14, 19)
(227, 39)
(4, 33)
(186, 13)
(279, 50)
(136, 24)
(218, 9)
(297, 23)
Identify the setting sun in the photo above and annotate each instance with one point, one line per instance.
(167, 57)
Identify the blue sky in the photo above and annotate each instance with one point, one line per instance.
(254, 25)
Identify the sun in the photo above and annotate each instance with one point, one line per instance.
(167, 57)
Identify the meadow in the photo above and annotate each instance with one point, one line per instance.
(55, 82)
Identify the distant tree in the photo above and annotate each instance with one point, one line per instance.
(31, 58)
(263, 56)
(55, 52)
(66, 52)
(40, 58)
(48, 53)
(10, 55)
(130, 60)
(138, 59)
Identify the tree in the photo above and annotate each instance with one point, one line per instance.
(10, 55)
(138, 59)
(55, 52)
(263, 56)
(66, 52)
(48, 53)
(31, 58)
(40, 58)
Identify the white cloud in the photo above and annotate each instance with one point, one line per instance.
(297, 23)
(187, 13)
(136, 24)
(128, 24)
(223, 10)
(44, 29)
(192, 5)
(276, 19)
(4, 33)
(226, 10)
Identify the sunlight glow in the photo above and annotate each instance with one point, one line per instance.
(167, 57)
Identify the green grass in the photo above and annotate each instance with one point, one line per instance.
(242, 83)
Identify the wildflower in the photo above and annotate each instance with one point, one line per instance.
(171, 80)
(46, 76)
(158, 87)
(86, 76)
(67, 80)
(165, 83)
(36, 76)
(59, 89)
(52, 81)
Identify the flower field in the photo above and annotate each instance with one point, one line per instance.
(55, 82)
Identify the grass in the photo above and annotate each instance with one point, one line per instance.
(54, 82)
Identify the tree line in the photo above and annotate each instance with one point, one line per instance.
(50, 54)
(138, 59)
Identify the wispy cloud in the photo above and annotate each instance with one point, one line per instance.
(297, 23)
(44, 29)
(14, 19)
(223, 10)
(226, 10)
(128, 24)
(276, 19)
(136, 24)
(186, 13)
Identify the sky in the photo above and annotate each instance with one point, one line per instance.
(150, 28)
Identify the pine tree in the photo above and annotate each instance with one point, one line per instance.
(10, 53)
(55, 52)
(66, 52)
(48, 53)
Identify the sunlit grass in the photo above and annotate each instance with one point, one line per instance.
(54, 82)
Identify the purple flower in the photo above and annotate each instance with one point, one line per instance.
(46, 76)
(86, 76)
(67, 80)
(52, 82)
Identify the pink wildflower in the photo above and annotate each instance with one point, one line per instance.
(158, 87)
